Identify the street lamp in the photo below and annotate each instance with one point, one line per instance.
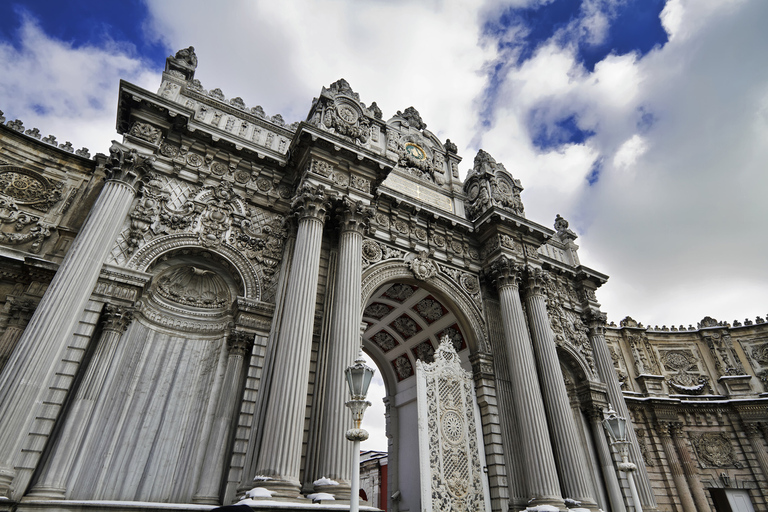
(359, 377)
(617, 430)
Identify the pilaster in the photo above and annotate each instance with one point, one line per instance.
(595, 320)
(279, 460)
(239, 344)
(758, 446)
(542, 484)
(44, 341)
(570, 457)
(53, 482)
(610, 477)
(689, 470)
(665, 431)
(335, 452)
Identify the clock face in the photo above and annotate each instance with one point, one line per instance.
(415, 151)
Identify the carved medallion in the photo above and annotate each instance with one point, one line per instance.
(714, 449)
(371, 251)
(29, 188)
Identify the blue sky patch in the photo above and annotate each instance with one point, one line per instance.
(552, 136)
(594, 172)
(634, 26)
(83, 23)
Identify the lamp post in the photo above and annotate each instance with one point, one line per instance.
(359, 377)
(617, 429)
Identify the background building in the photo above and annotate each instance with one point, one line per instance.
(179, 313)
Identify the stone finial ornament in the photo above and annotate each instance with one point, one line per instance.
(184, 62)
(489, 185)
(413, 117)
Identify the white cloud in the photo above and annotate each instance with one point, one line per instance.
(629, 152)
(676, 214)
(66, 91)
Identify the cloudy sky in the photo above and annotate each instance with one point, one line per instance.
(642, 122)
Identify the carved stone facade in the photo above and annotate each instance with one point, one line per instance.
(702, 386)
(176, 314)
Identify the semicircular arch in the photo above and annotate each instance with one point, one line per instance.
(146, 255)
(468, 315)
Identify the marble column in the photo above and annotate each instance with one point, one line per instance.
(208, 490)
(596, 322)
(542, 484)
(574, 473)
(673, 462)
(44, 342)
(52, 484)
(758, 446)
(689, 470)
(612, 486)
(279, 460)
(19, 313)
(335, 452)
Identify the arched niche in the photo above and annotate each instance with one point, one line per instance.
(153, 251)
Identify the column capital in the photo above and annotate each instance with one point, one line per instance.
(20, 311)
(240, 342)
(353, 215)
(669, 428)
(311, 201)
(595, 320)
(752, 429)
(116, 318)
(536, 281)
(505, 272)
(127, 165)
(482, 365)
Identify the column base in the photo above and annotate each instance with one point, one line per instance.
(342, 491)
(281, 489)
(206, 500)
(41, 492)
(556, 502)
(6, 481)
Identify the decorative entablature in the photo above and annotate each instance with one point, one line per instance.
(713, 360)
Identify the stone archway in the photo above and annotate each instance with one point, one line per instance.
(404, 320)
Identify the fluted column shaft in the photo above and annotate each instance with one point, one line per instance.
(212, 468)
(19, 312)
(607, 372)
(53, 482)
(678, 477)
(758, 446)
(606, 461)
(574, 472)
(280, 456)
(44, 341)
(335, 452)
(543, 486)
(689, 470)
